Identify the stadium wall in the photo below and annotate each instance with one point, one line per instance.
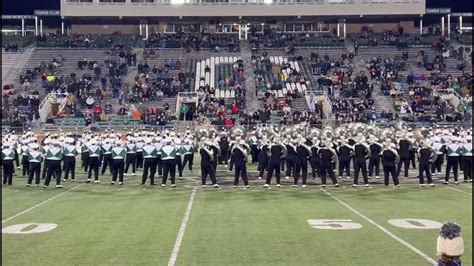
(353, 26)
(319, 8)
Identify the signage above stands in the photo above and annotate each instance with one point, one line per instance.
(461, 14)
(441, 10)
(46, 12)
(18, 17)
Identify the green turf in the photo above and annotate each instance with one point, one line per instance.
(138, 225)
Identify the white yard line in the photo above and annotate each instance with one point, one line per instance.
(39, 204)
(184, 223)
(460, 191)
(383, 229)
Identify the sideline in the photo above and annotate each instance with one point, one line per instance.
(403, 242)
(460, 191)
(39, 204)
(184, 223)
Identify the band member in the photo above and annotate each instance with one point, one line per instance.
(179, 156)
(277, 153)
(70, 152)
(159, 162)
(440, 146)
(94, 152)
(390, 159)
(118, 154)
(44, 151)
(131, 155)
(345, 152)
(328, 158)
(217, 152)
(207, 158)
(140, 143)
(290, 158)
(404, 151)
(374, 160)
(149, 157)
(240, 152)
(8, 156)
(223, 142)
(188, 153)
(168, 156)
(24, 157)
(426, 156)
(231, 160)
(303, 153)
(263, 157)
(414, 148)
(106, 155)
(453, 149)
(54, 155)
(314, 160)
(35, 158)
(467, 157)
(85, 152)
(361, 153)
(253, 142)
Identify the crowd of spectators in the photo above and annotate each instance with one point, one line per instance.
(11, 47)
(193, 41)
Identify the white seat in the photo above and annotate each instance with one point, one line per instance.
(293, 86)
(297, 67)
(288, 86)
(298, 87)
(216, 92)
(227, 94)
(285, 91)
(272, 60)
(232, 94)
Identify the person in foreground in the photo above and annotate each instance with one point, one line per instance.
(450, 245)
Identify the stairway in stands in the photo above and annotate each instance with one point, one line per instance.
(381, 102)
(252, 103)
(14, 63)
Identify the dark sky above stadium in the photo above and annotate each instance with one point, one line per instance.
(26, 7)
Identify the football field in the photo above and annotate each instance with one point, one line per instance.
(100, 224)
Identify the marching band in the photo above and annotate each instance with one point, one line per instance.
(297, 148)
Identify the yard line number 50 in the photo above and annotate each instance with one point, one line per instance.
(347, 224)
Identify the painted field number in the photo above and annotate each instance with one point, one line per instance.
(347, 224)
(415, 223)
(337, 224)
(31, 228)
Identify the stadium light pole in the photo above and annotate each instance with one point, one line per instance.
(23, 27)
(460, 24)
(41, 27)
(338, 29)
(449, 26)
(442, 26)
(344, 26)
(421, 24)
(146, 31)
(36, 26)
